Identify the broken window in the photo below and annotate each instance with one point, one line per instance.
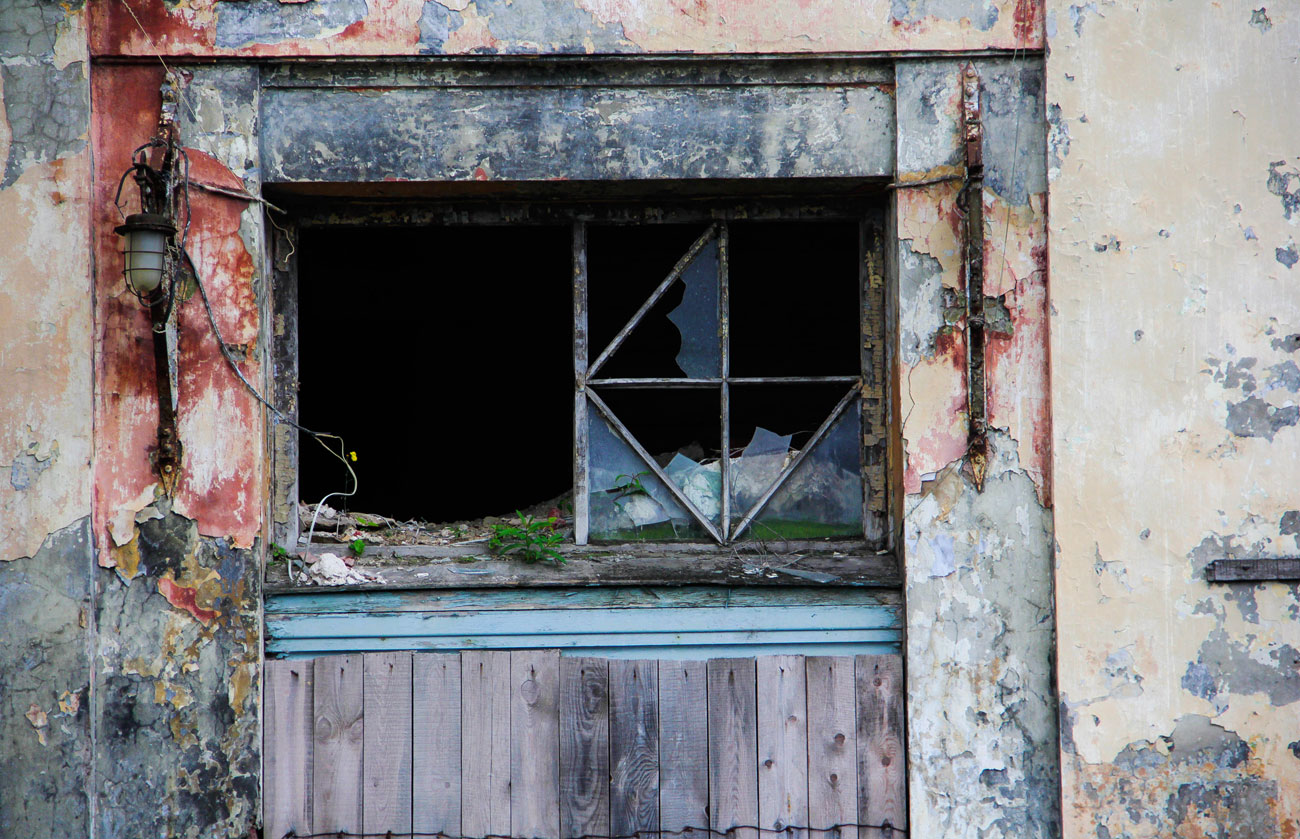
(701, 375)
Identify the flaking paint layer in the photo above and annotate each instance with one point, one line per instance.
(201, 28)
(1173, 308)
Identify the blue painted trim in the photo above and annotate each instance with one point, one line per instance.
(656, 623)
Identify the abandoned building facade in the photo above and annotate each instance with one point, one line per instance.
(913, 386)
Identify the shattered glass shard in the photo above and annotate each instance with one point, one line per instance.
(696, 317)
(627, 501)
(757, 468)
(823, 497)
(700, 483)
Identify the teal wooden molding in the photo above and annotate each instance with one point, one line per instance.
(646, 622)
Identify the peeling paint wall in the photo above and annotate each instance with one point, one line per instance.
(1175, 168)
(498, 27)
(981, 733)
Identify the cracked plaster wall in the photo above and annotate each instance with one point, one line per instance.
(1175, 169)
(981, 725)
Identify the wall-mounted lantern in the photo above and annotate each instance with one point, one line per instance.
(151, 258)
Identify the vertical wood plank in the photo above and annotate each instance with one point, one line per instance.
(733, 745)
(634, 747)
(535, 744)
(832, 745)
(584, 747)
(435, 743)
(288, 748)
(485, 743)
(386, 755)
(882, 778)
(782, 744)
(683, 747)
(338, 733)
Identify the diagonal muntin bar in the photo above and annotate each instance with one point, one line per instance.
(854, 392)
(623, 432)
(672, 277)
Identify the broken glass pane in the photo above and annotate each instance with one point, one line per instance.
(824, 495)
(757, 468)
(700, 483)
(696, 317)
(627, 501)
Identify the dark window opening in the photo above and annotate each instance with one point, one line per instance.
(444, 358)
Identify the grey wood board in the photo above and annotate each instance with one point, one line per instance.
(683, 746)
(535, 744)
(386, 758)
(287, 753)
(634, 747)
(832, 744)
(882, 767)
(435, 743)
(782, 744)
(336, 754)
(485, 755)
(733, 746)
(584, 747)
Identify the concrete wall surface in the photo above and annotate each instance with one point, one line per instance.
(1070, 669)
(1175, 200)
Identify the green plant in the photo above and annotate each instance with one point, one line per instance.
(278, 553)
(532, 540)
(357, 546)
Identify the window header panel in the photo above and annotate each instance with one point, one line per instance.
(546, 125)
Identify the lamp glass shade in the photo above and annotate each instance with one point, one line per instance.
(145, 251)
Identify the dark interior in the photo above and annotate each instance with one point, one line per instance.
(443, 355)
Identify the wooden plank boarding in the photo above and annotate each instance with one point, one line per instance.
(336, 751)
(584, 747)
(531, 745)
(634, 747)
(485, 752)
(288, 751)
(782, 744)
(683, 747)
(386, 755)
(435, 742)
(535, 744)
(733, 746)
(882, 779)
(832, 745)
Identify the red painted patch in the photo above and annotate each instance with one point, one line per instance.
(184, 597)
(1028, 20)
(480, 174)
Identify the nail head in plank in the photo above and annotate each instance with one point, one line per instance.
(535, 744)
(832, 744)
(782, 744)
(386, 755)
(436, 746)
(634, 747)
(882, 790)
(584, 747)
(733, 746)
(485, 755)
(288, 751)
(336, 753)
(683, 747)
